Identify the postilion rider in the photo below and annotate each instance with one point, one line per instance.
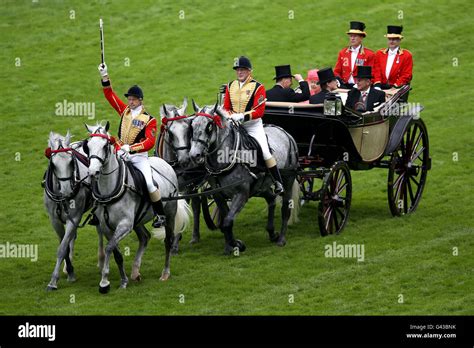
(137, 134)
(245, 101)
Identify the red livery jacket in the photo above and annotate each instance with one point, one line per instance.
(343, 65)
(245, 100)
(139, 132)
(402, 68)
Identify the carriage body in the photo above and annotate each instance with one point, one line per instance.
(329, 147)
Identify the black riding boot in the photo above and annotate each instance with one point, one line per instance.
(275, 173)
(160, 218)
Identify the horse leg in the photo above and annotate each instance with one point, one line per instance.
(62, 253)
(285, 211)
(143, 238)
(238, 202)
(100, 251)
(70, 253)
(121, 231)
(271, 204)
(196, 204)
(166, 273)
(175, 244)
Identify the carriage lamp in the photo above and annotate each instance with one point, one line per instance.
(333, 105)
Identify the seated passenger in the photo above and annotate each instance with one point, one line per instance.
(364, 97)
(282, 91)
(328, 83)
(313, 80)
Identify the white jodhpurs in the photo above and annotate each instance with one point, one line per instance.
(140, 162)
(255, 130)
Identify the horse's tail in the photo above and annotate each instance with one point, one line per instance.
(183, 215)
(295, 203)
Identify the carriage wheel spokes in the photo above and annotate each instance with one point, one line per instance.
(336, 193)
(408, 169)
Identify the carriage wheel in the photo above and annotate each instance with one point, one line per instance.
(408, 168)
(336, 194)
(211, 214)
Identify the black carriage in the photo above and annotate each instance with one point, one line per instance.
(333, 140)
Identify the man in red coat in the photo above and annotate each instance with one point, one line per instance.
(351, 57)
(244, 100)
(137, 134)
(393, 66)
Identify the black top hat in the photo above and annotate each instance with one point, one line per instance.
(357, 28)
(394, 32)
(242, 62)
(364, 72)
(326, 75)
(282, 71)
(134, 91)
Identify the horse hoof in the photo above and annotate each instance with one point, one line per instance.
(71, 278)
(174, 251)
(123, 285)
(104, 289)
(241, 245)
(194, 241)
(281, 242)
(273, 237)
(165, 276)
(51, 288)
(137, 277)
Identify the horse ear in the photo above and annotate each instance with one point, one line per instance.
(195, 106)
(87, 127)
(68, 138)
(164, 112)
(107, 126)
(182, 110)
(214, 109)
(50, 139)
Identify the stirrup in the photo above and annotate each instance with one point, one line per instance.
(278, 189)
(159, 221)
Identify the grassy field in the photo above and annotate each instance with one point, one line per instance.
(47, 57)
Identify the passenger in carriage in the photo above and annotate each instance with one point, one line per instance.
(328, 83)
(282, 91)
(313, 79)
(364, 97)
(350, 58)
(393, 66)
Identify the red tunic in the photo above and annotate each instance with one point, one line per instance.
(245, 100)
(141, 134)
(402, 68)
(343, 65)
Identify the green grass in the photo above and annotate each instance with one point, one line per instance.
(171, 58)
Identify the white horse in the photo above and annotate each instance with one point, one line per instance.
(119, 209)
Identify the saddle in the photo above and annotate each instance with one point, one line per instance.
(247, 142)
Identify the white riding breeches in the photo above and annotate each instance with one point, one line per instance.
(140, 162)
(256, 131)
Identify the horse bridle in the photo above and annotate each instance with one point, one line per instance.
(110, 141)
(216, 121)
(165, 125)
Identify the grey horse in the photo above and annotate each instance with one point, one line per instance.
(119, 205)
(173, 146)
(66, 198)
(213, 133)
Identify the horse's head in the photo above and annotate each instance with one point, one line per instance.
(177, 127)
(204, 130)
(61, 156)
(99, 147)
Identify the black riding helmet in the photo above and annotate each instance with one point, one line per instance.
(134, 91)
(242, 62)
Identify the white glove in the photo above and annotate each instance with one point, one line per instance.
(123, 154)
(338, 83)
(237, 117)
(378, 88)
(103, 70)
(125, 148)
